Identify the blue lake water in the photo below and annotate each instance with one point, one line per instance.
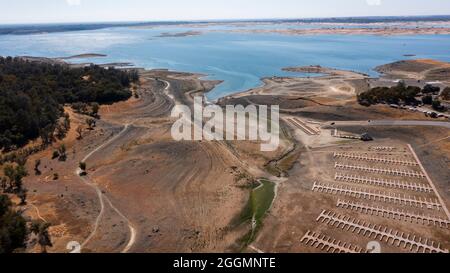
(239, 59)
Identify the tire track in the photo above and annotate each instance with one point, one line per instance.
(102, 197)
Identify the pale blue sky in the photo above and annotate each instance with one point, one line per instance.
(43, 11)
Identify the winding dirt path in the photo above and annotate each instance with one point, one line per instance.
(166, 90)
(102, 198)
(38, 213)
(133, 232)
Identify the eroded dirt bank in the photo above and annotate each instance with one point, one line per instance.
(144, 191)
(159, 195)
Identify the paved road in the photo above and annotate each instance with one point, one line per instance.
(445, 124)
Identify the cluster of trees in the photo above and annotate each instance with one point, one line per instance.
(437, 105)
(430, 89)
(405, 94)
(20, 155)
(13, 227)
(15, 230)
(390, 95)
(12, 182)
(445, 95)
(60, 153)
(32, 95)
(90, 109)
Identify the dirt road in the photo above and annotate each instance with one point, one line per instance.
(102, 197)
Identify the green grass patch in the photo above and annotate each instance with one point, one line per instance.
(259, 203)
(262, 198)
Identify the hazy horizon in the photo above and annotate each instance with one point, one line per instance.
(117, 11)
(224, 20)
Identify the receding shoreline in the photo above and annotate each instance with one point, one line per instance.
(139, 129)
(432, 21)
(407, 70)
(84, 56)
(179, 34)
(388, 31)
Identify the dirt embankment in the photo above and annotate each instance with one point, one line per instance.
(317, 100)
(422, 69)
(332, 95)
(332, 87)
(179, 34)
(388, 31)
(317, 69)
(183, 196)
(174, 196)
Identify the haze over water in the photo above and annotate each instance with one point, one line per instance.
(239, 59)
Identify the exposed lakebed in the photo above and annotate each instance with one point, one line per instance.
(239, 59)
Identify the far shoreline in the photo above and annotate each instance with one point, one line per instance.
(40, 28)
(324, 73)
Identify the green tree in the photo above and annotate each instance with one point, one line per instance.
(95, 107)
(40, 229)
(46, 134)
(445, 95)
(427, 100)
(10, 173)
(13, 229)
(437, 105)
(32, 96)
(55, 154)
(91, 123)
(392, 95)
(427, 89)
(80, 107)
(37, 164)
(62, 151)
(60, 131)
(79, 131)
(3, 184)
(15, 176)
(66, 122)
(22, 194)
(82, 166)
(21, 160)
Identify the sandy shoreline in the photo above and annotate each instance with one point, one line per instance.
(441, 23)
(179, 34)
(407, 70)
(351, 31)
(313, 28)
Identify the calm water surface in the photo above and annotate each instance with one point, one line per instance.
(239, 59)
